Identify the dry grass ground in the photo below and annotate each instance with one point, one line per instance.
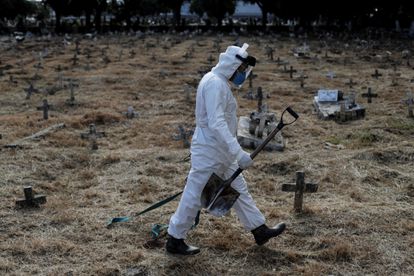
(361, 221)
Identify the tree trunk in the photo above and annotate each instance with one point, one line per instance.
(58, 26)
(98, 22)
(177, 16)
(88, 20)
(264, 18)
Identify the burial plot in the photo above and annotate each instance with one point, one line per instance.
(332, 104)
(30, 200)
(253, 130)
(299, 188)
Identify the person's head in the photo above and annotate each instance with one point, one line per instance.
(236, 64)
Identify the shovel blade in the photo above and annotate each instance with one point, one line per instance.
(215, 199)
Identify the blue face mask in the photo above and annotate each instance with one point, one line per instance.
(239, 78)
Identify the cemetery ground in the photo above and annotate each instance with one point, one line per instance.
(360, 221)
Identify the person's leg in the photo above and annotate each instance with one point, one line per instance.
(249, 215)
(184, 216)
(245, 206)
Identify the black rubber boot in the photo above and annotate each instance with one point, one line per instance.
(178, 246)
(263, 233)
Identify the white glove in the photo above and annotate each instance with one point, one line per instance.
(244, 160)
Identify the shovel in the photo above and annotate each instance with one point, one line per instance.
(218, 196)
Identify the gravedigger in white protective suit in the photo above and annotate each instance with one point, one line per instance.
(215, 148)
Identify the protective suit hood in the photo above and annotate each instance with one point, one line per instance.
(228, 63)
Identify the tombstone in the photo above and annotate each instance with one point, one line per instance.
(93, 135)
(184, 135)
(131, 113)
(30, 200)
(376, 74)
(409, 102)
(332, 104)
(299, 188)
(331, 75)
(369, 95)
(350, 83)
(45, 107)
(30, 90)
(254, 129)
(269, 52)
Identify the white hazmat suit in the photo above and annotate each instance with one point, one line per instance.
(215, 148)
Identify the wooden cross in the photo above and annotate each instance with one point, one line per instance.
(77, 43)
(299, 188)
(259, 99)
(395, 76)
(269, 52)
(30, 90)
(30, 200)
(376, 75)
(75, 59)
(291, 71)
(369, 95)
(302, 78)
(409, 102)
(187, 55)
(184, 135)
(132, 53)
(71, 101)
(45, 107)
(350, 83)
(93, 135)
(210, 59)
(251, 77)
(280, 62)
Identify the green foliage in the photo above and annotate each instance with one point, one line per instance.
(398, 125)
(213, 8)
(362, 139)
(334, 140)
(10, 9)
